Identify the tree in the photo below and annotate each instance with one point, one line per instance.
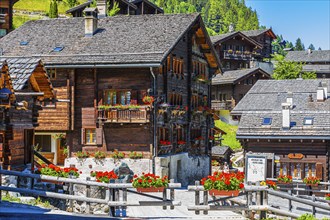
(53, 11)
(311, 47)
(299, 45)
(319, 48)
(72, 3)
(114, 10)
(291, 70)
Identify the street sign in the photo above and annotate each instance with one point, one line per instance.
(255, 167)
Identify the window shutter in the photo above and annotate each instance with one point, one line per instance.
(319, 170)
(99, 136)
(82, 135)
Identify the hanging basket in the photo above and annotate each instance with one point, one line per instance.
(150, 189)
(215, 192)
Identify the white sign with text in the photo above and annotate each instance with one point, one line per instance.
(255, 168)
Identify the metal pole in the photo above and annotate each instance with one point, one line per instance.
(290, 201)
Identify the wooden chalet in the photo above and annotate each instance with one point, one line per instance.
(106, 71)
(24, 84)
(126, 7)
(230, 87)
(317, 61)
(6, 16)
(289, 122)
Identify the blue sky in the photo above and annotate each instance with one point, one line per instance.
(307, 19)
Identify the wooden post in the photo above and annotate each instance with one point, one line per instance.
(172, 194)
(111, 198)
(165, 197)
(125, 200)
(290, 201)
(314, 209)
(197, 197)
(71, 193)
(116, 196)
(88, 194)
(0, 181)
(205, 201)
(263, 214)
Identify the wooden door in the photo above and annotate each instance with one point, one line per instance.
(60, 152)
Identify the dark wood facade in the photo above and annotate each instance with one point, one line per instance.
(298, 158)
(6, 16)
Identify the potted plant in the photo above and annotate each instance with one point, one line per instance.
(148, 100)
(150, 183)
(224, 184)
(311, 181)
(135, 155)
(215, 163)
(82, 154)
(99, 155)
(271, 184)
(117, 155)
(104, 177)
(284, 179)
(52, 170)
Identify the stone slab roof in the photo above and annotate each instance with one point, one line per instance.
(233, 76)
(314, 56)
(318, 68)
(255, 33)
(220, 150)
(120, 39)
(264, 101)
(223, 37)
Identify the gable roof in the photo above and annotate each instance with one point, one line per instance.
(223, 37)
(233, 76)
(149, 3)
(255, 33)
(306, 56)
(25, 70)
(317, 68)
(5, 80)
(264, 100)
(220, 150)
(142, 39)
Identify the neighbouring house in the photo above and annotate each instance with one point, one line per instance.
(222, 154)
(317, 61)
(289, 122)
(125, 7)
(231, 86)
(6, 16)
(242, 56)
(134, 83)
(26, 86)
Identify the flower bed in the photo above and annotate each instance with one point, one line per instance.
(82, 154)
(135, 155)
(149, 181)
(284, 179)
(223, 183)
(118, 155)
(104, 177)
(99, 155)
(311, 181)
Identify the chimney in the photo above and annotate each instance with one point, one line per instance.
(289, 99)
(320, 93)
(90, 21)
(102, 8)
(231, 28)
(310, 98)
(286, 115)
(325, 88)
(309, 51)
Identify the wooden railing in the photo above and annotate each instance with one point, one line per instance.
(114, 198)
(222, 105)
(245, 55)
(118, 115)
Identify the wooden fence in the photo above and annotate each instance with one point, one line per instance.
(116, 197)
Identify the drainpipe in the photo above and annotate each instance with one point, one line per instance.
(154, 122)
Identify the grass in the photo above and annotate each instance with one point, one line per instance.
(229, 139)
(42, 5)
(37, 202)
(19, 20)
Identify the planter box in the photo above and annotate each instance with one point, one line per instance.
(151, 189)
(215, 192)
(284, 183)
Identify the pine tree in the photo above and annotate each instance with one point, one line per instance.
(299, 46)
(311, 47)
(72, 3)
(53, 12)
(320, 48)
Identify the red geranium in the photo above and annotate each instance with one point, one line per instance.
(224, 181)
(104, 177)
(149, 180)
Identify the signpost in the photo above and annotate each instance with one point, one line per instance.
(255, 168)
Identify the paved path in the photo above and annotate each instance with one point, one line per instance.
(179, 212)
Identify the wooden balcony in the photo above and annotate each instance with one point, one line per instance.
(223, 105)
(124, 115)
(239, 55)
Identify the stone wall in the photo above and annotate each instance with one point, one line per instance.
(183, 168)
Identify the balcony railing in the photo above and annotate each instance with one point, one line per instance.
(124, 114)
(239, 55)
(223, 105)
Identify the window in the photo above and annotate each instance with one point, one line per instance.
(308, 121)
(90, 136)
(58, 48)
(24, 43)
(176, 99)
(51, 73)
(267, 121)
(293, 123)
(44, 142)
(310, 169)
(237, 47)
(163, 135)
(114, 97)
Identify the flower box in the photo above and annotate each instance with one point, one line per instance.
(284, 183)
(150, 189)
(215, 192)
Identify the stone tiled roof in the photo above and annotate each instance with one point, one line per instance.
(223, 37)
(21, 70)
(316, 68)
(306, 57)
(233, 76)
(120, 39)
(264, 101)
(255, 33)
(220, 150)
